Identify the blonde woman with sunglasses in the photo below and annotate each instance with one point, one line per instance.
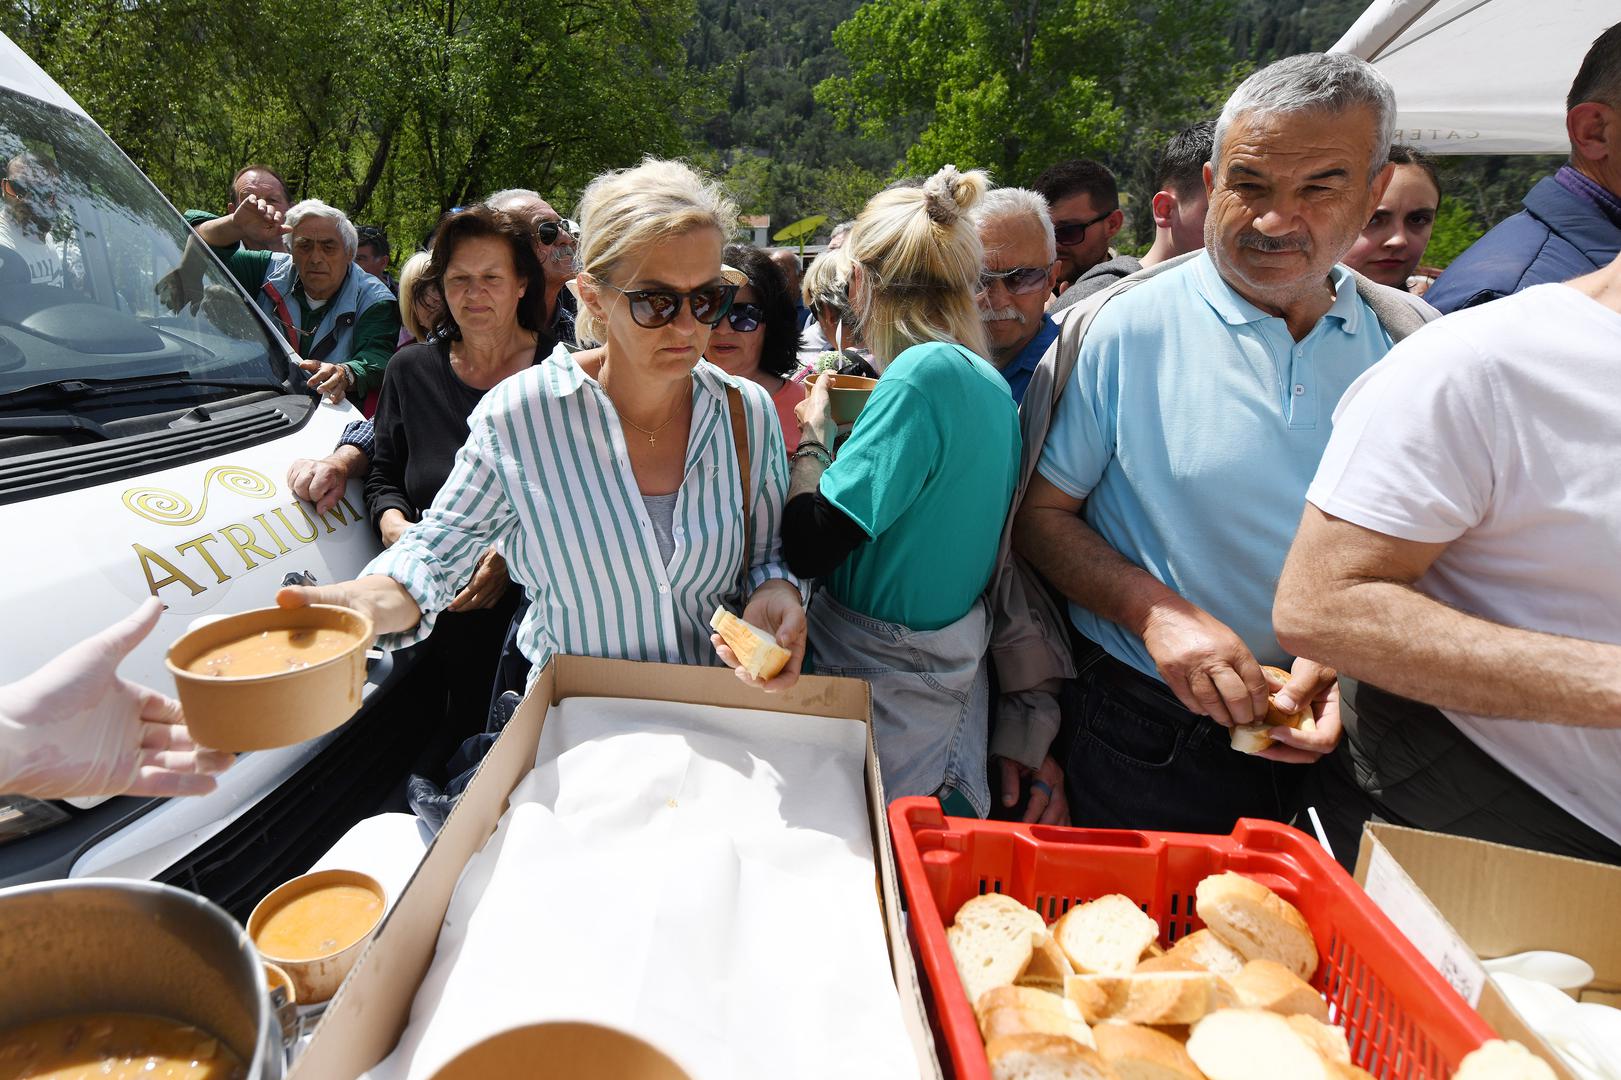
(609, 475)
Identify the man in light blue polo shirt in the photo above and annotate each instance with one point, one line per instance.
(1178, 458)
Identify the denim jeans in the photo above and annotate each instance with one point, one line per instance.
(1138, 760)
(930, 694)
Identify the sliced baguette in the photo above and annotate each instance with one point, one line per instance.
(1049, 967)
(1105, 936)
(1499, 1060)
(1199, 951)
(1323, 1037)
(991, 942)
(1256, 922)
(757, 652)
(1160, 997)
(1267, 984)
(1025, 997)
(1141, 1053)
(1045, 1057)
(1013, 1020)
(1252, 1044)
(1253, 738)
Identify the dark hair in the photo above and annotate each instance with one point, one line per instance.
(1411, 155)
(1180, 168)
(476, 221)
(1079, 177)
(1599, 78)
(373, 235)
(779, 351)
(244, 170)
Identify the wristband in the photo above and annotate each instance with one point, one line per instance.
(812, 449)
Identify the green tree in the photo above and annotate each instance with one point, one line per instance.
(1455, 229)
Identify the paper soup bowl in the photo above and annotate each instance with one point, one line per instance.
(315, 979)
(259, 712)
(848, 394)
(562, 1050)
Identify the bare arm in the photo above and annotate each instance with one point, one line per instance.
(1346, 597)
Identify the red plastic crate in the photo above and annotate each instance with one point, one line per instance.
(1402, 1019)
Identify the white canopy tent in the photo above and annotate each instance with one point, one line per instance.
(1480, 76)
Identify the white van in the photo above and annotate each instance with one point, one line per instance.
(144, 451)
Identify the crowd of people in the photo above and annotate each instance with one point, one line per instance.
(1092, 497)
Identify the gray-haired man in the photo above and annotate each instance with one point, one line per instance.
(1021, 267)
(1196, 401)
(342, 322)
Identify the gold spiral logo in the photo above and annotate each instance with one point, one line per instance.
(172, 508)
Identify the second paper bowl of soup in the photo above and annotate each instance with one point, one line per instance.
(847, 395)
(271, 677)
(316, 926)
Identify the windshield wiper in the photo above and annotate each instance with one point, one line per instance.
(69, 391)
(75, 429)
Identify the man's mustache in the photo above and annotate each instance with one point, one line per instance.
(1255, 241)
(993, 314)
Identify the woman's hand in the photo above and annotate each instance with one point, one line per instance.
(381, 598)
(391, 526)
(815, 413)
(775, 608)
(489, 583)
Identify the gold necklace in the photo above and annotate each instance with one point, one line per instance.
(650, 434)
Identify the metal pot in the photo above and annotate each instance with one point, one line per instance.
(106, 945)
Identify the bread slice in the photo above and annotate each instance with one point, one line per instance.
(1141, 1053)
(1160, 997)
(1199, 951)
(1252, 1044)
(1253, 738)
(1106, 935)
(1013, 1020)
(991, 942)
(1323, 1037)
(1045, 1057)
(1256, 922)
(1048, 966)
(1499, 1060)
(1267, 984)
(757, 652)
(1025, 997)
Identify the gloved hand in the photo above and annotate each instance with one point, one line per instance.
(75, 729)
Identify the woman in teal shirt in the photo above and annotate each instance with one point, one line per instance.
(903, 527)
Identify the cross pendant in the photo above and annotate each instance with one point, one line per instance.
(650, 441)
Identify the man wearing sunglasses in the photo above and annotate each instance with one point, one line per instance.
(1021, 264)
(28, 213)
(554, 247)
(1084, 202)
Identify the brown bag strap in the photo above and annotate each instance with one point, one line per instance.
(740, 447)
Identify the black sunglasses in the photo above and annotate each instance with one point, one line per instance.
(745, 318)
(653, 308)
(1019, 281)
(1073, 232)
(549, 231)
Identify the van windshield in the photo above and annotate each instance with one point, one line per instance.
(89, 290)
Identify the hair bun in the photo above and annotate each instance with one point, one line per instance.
(949, 194)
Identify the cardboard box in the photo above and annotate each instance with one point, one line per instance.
(366, 1018)
(1463, 900)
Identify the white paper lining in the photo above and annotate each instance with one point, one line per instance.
(700, 877)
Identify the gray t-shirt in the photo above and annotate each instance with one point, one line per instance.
(661, 511)
(1095, 280)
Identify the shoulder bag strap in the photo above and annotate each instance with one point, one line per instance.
(740, 447)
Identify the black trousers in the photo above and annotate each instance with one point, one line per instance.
(1137, 759)
(1405, 763)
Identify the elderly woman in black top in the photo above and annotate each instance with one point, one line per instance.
(489, 327)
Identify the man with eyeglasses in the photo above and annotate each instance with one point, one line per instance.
(1084, 202)
(1164, 485)
(1021, 264)
(554, 247)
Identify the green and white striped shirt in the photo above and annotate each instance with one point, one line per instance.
(544, 477)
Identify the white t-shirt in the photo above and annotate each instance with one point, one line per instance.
(42, 254)
(1497, 430)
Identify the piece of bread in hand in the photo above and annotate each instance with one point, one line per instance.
(1141, 1053)
(757, 652)
(1045, 1057)
(1499, 1060)
(991, 942)
(1048, 968)
(1252, 1044)
(1253, 738)
(1105, 936)
(1198, 951)
(1256, 922)
(1157, 997)
(1267, 984)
